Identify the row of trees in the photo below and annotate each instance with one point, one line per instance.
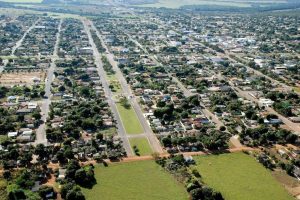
(214, 140)
(185, 173)
(264, 135)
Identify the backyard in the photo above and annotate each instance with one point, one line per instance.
(238, 176)
(135, 180)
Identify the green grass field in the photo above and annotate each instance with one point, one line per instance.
(142, 180)
(238, 176)
(142, 144)
(130, 120)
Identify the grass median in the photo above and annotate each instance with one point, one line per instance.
(142, 145)
(130, 120)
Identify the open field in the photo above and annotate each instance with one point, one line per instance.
(130, 120)
(142, 145)
(238, 176)
(21, 78)
(233, 3)
(135, 181)
(23, 1)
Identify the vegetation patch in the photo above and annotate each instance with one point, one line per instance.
(297, 89)
(179, 3)
(130, 120)
(140, 146)
(238, 176)
(114, 84)
(130, 180)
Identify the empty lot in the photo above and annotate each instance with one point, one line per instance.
(135, 181)
(239, 176)
(21, 78)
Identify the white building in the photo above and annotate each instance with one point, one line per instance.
(265, 102)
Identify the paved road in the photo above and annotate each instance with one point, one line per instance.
(245, 94)
(19, 43)
(41, 132)
(258, 73)
(235, 141)
(292, 126)
(154, 143)
(108, 93)
(226, 55)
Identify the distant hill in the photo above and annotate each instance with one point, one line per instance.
(51, 1)
(138, 2)
(217, 5)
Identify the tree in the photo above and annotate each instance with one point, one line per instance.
(36, 115)
(7, 175)
(60, 157)
(68, 153)
(3, 91)
(291, 138)
(167, 142)
(72, 167)
(61, 88)
(25, 180)
(80, 176)
(161, 104)
(284, 108)
(42, 93)
(196, 194)
(66, 188)
(44, 190)
(205, 193)
(75, 194)
(125, 103)
(222, 128)
(41, 151)
(289, 168)
(99, 136)
(16, 194)
(88, 123)
(85, 91)
(25, 159)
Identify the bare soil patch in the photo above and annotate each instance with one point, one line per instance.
(21, 78)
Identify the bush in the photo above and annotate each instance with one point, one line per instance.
(75, 194)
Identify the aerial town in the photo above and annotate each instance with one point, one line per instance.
(149, 100)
